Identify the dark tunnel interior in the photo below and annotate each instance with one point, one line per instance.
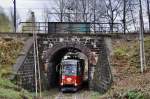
(54, 65)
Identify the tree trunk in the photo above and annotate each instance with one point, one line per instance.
(148, 13)
(124, 16)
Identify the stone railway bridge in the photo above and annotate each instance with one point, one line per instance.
(52, 47)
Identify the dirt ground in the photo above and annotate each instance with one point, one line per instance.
(124, 81)
(128, 79)
(82, 94)
(125, 78)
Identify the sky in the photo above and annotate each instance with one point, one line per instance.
(24, 6)
(38, 6)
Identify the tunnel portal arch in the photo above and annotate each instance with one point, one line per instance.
(73, 45)
(54, 55)
(53, 47)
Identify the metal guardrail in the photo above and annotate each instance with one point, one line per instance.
(39, 27)
(105, 27)
(69, 27)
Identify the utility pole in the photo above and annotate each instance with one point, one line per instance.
(142, 53)
(14, 15)
(36, 58)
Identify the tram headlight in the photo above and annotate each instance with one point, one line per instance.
(76, 84)
(61, 84)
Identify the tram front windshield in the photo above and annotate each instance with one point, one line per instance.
(69, 69)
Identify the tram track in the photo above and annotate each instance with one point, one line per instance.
(61, 95)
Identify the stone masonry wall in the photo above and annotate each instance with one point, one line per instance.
(102, 78)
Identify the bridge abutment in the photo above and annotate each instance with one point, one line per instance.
(53, 48)
(102, 79)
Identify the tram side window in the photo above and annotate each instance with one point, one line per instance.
(79, 69)
(60, 71)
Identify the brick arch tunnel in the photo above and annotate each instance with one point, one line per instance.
(102, 77)
(54, 56)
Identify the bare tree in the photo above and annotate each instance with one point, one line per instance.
(78, 10)
(148, 12)
(132, 6)
(60, 9)
(127, 15)
(98, 11)
(112, 11)
(124, 15)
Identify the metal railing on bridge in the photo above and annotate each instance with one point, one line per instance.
(38, 27)
(70, 27)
